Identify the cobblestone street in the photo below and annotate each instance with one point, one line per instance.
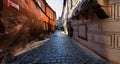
(60, 49)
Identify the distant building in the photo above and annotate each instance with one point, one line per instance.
(95, 24)
(59, 23)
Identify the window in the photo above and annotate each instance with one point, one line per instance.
(51, 15)
(43, 8)
(71, 4)
(39, 3)
(42, 4)
(2, 27)
(44, 24)
(1, 4)
(82, 29)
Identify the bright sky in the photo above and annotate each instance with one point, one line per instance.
(57, 6)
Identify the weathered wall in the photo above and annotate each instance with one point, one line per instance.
(18, 22)
(101, 35)
(52, 17)
(21, 26)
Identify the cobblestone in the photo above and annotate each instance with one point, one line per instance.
(60, 49)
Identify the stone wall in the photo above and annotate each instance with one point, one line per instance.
(101, 35)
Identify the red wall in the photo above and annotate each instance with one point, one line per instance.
(23, 25)
(52, 18)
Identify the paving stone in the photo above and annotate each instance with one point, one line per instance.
(59, 50)
(58, 61)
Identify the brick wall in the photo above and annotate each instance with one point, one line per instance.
(21, 25)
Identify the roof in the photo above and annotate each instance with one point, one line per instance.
(49, 6)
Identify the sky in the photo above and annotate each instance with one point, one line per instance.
(57, 6)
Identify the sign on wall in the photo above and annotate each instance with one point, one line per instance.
(10, 3)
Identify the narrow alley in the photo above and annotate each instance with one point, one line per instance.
(60, 32)
(60, 49)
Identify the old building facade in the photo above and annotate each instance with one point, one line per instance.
(96, 25)
(59, 23)
(22, 21)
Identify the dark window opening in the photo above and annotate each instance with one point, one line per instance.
(71, 3)
(2, 27)
(1, 4)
